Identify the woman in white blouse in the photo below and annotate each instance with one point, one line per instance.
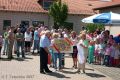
(28, 40)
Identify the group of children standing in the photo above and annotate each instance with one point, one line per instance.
(104, 51)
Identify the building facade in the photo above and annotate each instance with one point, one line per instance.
(33, 12)
(111, 7)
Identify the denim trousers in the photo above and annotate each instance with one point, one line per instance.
(107, 60)
(59, 56)
(52, 56)
(5, 46)
(36, 44)
(20, 44)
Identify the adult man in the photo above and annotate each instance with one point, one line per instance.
(36, 40)
(20, 43)
(44, 44)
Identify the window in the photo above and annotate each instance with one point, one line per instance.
(47, 4)
(6, 23)
(25, 24)
(36, 23)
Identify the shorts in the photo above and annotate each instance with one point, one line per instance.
(27, 43)
(75, 52)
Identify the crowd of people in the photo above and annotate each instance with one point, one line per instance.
(99, 47)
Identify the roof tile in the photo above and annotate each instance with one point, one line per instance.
(108, 4)
(75, 6)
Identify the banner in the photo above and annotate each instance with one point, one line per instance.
(63, 45)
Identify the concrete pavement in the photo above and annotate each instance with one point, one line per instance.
(113, 72)
(28, 69)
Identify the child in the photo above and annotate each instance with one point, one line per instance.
(101, 52)
(1, 42)
(107, 55)
(97, 50)
(91, 49)
(112, 54)
(116, 56)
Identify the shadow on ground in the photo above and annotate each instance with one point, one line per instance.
(18, 59)
(95, 75)
(89, 69)
(69, 72)
(5, 59)
(58, 75)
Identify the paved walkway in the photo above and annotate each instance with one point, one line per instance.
(112, 72)
(28, 69)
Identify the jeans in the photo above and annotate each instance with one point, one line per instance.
(20, 44)
(5, 46)
(107, 60)
(36, 44)
(52, 56)
(58, 55)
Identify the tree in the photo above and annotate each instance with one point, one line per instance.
(93, 27)
(59, 13)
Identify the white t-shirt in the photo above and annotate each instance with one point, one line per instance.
(28, 37)
(75, 41)
(65, 35)
(98, 48)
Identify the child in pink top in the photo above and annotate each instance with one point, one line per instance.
(107, 55)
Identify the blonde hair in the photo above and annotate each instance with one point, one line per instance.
(73, 32)
(82, 34)
(47, 32)
(42, 33)
(55, 35)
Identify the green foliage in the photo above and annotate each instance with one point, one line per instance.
(93, 27)
(59, 12)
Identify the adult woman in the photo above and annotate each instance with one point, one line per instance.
(28, 40)
(82, 52)
(56, 51)
(74, 54)
(11, 38)
(5, 49)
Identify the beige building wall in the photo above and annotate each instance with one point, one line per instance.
(17, 17)
(76, 20)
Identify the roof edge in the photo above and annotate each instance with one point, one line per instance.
(110, 6)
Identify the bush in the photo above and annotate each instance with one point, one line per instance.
(92, 27)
